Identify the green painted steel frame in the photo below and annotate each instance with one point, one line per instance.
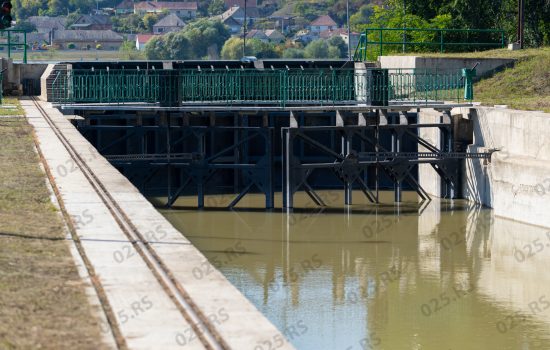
(377, 35)
(248, 86)
(11, 44)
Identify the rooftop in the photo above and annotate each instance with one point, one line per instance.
(170, 20)
(87, 35)
(325, 20)
(166, 5)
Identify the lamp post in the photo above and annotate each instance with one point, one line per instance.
(349, 30)
(244, 30)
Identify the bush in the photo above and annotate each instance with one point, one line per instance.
(71, 46)
(98, 47)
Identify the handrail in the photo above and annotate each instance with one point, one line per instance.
(363, 45)
(11, 44)
(268, 87)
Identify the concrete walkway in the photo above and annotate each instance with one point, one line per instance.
(144, 314)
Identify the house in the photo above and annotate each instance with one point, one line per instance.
(257, 34)
(169, 23)
(142, 39)
(275, 36)
(45, 24)
(354, 39)
(240, 3)
(87, 39)
(182, 9)
(305, 36)
(238, 14)
(125, 7)
(34, 39)
(322, 23)
(93, 22)
(234, 25)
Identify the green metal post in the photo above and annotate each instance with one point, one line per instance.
(25, 48)
(9, 44)
(441, 42)
(502, 39)
(468, 74)
(381, 52)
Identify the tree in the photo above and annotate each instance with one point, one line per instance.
(205, 34)
(261, 49)
(216, 7)
(172, 46)
(293, 53)
(338, 47)
(129, 51)
(317, 49)
(148, 21)
(155, 49)
(232, 49)
(361, 17)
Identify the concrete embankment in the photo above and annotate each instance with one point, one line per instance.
(516, 182)
(485, 66)
(140, 309)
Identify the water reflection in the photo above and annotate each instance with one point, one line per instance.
(447, 275)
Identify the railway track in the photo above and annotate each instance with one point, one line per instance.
(201, 324)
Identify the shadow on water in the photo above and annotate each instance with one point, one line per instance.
(437, 275)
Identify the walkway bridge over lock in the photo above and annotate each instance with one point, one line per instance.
(211, 128)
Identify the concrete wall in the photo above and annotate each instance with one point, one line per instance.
(17, 72)
(427, 176)
(516, 182)
(486, 66)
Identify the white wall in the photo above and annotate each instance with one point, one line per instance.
(516, 182)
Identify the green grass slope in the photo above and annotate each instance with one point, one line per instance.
(524, 86)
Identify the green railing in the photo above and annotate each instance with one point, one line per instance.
(374, 40)
(12, 42)
(261, 87)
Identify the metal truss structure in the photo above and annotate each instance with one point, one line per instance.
(239, 152)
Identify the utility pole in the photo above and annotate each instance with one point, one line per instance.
(244, 30)
(521, 22)
(349, 30)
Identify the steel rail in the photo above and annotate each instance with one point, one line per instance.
(202, 326)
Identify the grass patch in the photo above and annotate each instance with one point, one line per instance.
(42, 300)
(498, 53)
(525, 86)
(11, 101)
(77, 55)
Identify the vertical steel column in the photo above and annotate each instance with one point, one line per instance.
(398, 146)
(348, 186)
(345, 148)
(200, 184)
(236, 152)
(288, 155)
(288, 179)
(166, 123)
(446, 146)
(269, 189)
(362, 121)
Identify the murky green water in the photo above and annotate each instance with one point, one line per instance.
(441, 276)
